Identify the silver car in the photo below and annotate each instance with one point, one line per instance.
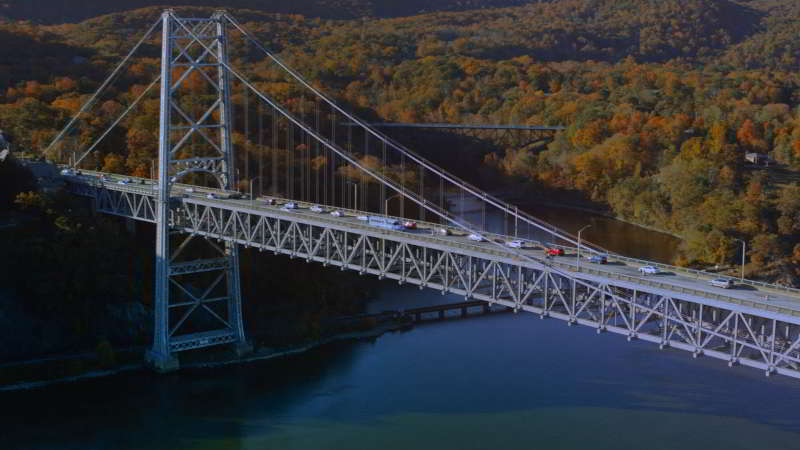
(724, 283)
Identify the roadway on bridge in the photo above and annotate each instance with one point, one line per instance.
(458, 238)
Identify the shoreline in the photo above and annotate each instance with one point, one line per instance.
(564, 202)
(264, 353)
(606, 214)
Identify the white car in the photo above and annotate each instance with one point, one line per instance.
(316, 209)
(724, 283)
(211, 195)
(67, 172)
(364, 218)
(476, 237)
(648, 270)
(514, 244)
(290, 205)
(336, 213)
(189, 190)
(125, 181)
(441, 231)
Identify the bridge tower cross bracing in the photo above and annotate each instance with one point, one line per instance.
(174, 299)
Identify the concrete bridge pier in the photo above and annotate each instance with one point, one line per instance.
(161, 363)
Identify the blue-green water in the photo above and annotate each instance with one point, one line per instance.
(503, 381)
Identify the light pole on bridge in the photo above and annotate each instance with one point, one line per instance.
(355, 194)
(578, 260)
(252, 199)
(386, 203)
(744, 251)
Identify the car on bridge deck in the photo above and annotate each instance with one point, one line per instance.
(476, 237)
(554, 251)
(269, 201)
(725, 283)
(648, 270)
(336, 213)
(410, 225)
(290, 205)
(597, 259)
(212, 195)
(316, 209)
(68, 172)
(515, 243)
(441, 231)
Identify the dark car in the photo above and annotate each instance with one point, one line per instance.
(597, 259)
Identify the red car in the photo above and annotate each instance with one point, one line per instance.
(554, 251)
(409, 225)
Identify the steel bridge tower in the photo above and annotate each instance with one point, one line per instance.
(177, 302)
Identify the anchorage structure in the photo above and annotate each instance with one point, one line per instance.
(197, 293)
(173, 135)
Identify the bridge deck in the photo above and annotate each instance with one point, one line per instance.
(770, 298)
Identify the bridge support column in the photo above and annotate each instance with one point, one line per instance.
(198, 295)
(161, 363)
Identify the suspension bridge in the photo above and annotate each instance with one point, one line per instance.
(326, 182)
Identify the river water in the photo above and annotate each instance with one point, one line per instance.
(505, 381)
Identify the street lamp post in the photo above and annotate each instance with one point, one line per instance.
(578, 261)
(386, 203)
(252, 199)
(355, 195)
(744, 250)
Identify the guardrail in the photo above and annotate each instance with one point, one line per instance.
(561, 265)
(699, 274)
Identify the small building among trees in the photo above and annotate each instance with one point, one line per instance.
(757, 158)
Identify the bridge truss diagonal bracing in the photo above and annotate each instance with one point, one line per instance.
(236, 117)
(747, 336)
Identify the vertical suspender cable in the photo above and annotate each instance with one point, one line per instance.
(246, 133)
(383, 185)
(316, 152)
(274, 151)
(104, 85)
(260, 148)
(364, 185)
(422, 192)
(402, 185)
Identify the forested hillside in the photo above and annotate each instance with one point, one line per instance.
(661, 100)
(63, 11)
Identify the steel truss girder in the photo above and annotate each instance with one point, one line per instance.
(700, 326)
(739, 335)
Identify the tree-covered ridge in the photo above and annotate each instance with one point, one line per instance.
(658, 120)
(68, 11)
